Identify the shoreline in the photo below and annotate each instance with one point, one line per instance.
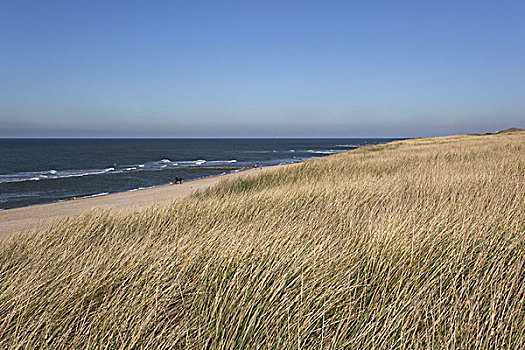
(24, 219)
(104, 194)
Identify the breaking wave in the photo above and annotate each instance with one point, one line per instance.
(151, 166)
(50, 175)
(92, 195)
(327, 151)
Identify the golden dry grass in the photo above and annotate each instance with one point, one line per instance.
(412, 244)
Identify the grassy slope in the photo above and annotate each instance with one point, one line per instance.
(418, 243)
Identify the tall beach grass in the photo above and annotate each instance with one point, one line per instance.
(412, 244)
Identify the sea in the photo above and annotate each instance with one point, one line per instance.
(37, 171)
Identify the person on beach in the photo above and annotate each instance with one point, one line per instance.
(178, 180)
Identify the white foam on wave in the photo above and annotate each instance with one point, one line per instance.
(352, 146)
(87, 173)
(92, 195)
(170, 164)
(222, 161)
(137, 189)
(82, 174)
(140, 188)
(48, 175)
(327, 151)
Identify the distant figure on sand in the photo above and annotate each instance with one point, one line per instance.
(178, 180)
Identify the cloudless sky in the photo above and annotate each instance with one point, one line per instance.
(260, 68)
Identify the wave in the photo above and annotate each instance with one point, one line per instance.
(216, 162)
(141, 188)
(163, 163)
(51, 175)
(327, 151)
(137, 189)
(92, 195)
(331, 151)
(160, 165)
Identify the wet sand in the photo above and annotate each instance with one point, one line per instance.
(25, 219)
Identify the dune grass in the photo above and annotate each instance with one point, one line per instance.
(412, 244)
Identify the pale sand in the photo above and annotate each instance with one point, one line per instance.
(24, 219)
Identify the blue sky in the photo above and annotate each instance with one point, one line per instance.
(260, 68)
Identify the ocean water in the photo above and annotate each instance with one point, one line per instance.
(35, 171)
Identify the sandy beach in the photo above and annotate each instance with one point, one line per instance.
(25, 219)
